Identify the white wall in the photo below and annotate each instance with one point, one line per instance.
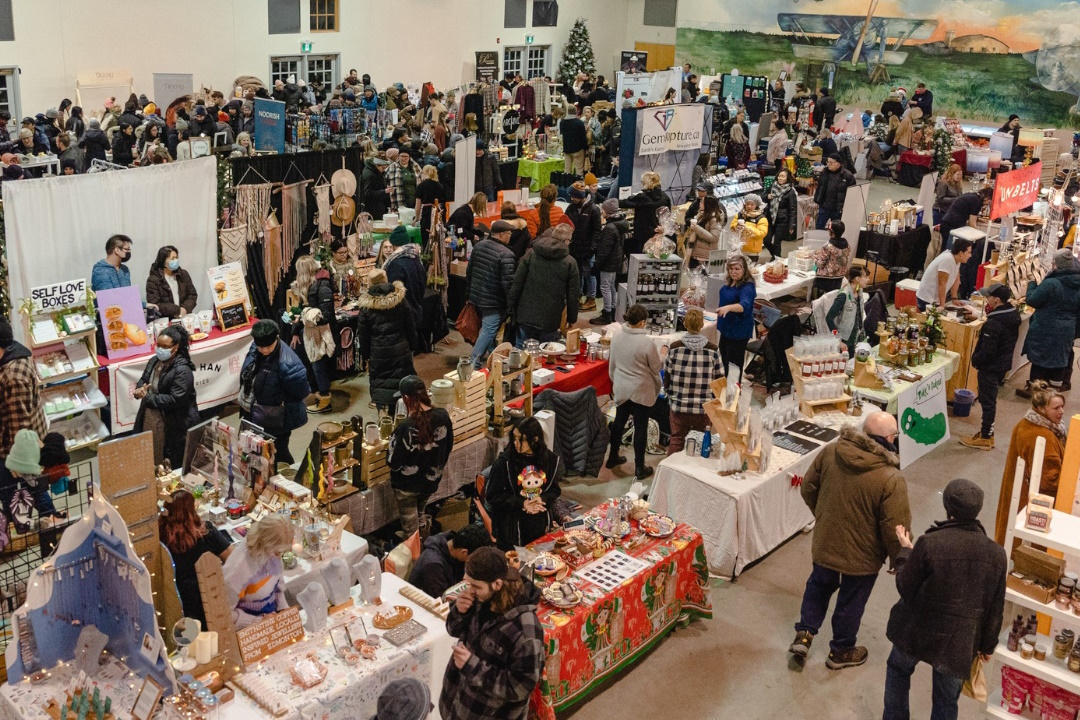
(218, 40)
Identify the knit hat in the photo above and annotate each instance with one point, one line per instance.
(369, 87)
(265, 333)
(392, 154)
(1064, 260)
(562, 232)
(754, 198)
(404, 699)
(431, 149)
(590, 179)
(143, 100)
(52, 113)
(25, 455)
(110, 103)
(578, 190)
(705, 187)
(6, 335)
(610, 206)
(200, 111)
(53, 451)
(835, 156)
(149, 109)
(488, 564)
(410, 385)
(181, 124)
(400, 236)
(68, 163)
(94, 124)
(963, 499)
(350, 95)
(13, 172)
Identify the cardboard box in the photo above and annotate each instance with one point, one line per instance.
(542, 376)
(1035, 573)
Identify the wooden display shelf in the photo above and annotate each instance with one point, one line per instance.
(373, 467)
(59, 341)
(469, 411)
(340, 441)
(495, 382)
(810, 408)
(350, 463)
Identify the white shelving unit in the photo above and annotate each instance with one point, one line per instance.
(1064, 536)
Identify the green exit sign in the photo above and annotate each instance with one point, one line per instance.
(305, 46)
(530, 39)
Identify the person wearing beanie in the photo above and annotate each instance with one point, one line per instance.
(992, 358)
(585, 216)
(593, 186)
(575, 142)
(25, 455)
(55, 463)
(832, 192)
(614, 234)
(25, 489)
(404, 699)
(369, 101)
(402, 177)
(546, 282)
(385, 337)
(752, 224)
(499, 656)
(488, 280)
(374, 195)
(273, 387)
(417, 454)
(1056, 301)
(405, 266)
(952, 599)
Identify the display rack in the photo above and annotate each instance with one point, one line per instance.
(468, 414)
(654, 283)
(347, 457)
(1063, 537)
(501, 398)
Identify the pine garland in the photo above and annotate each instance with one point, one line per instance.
(943, 145)
(577, 55)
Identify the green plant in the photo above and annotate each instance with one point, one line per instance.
(943, 145)
(932, 327)
(577, 55)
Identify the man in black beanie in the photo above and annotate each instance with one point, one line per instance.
(273, 387)
(500, 651)
(952, 596)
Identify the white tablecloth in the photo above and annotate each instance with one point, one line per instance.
(741, 519)
(353, 550)
(791, 286)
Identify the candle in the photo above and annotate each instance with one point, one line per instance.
(1037, 466)
(213, 643)
(202, 649)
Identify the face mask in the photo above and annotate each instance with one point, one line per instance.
(163, 354)
(884, 442)
(174, 265)
(125, 256)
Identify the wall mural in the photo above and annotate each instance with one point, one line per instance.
(983, 59)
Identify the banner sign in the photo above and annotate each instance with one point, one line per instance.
(924, 423)
(487, 65)
(269, 125)
(217, 376)
(169, 86)
(641, 88)
(1016, 190)
(50, 298)
(672, 128)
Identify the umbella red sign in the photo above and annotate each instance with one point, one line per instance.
(1016, 190)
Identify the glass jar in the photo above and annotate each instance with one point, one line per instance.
(1061, 647)
(1074, 660)
(386, 427)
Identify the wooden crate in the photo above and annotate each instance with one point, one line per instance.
(469, 412)
(373, 467)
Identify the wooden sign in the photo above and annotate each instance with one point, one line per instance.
(233, 316)
(268, 636)
(58, 296)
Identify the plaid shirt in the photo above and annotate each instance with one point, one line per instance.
(507, 659)
(396, 184)
(691, 365)
(20, 397)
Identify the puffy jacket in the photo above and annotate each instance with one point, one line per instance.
(320, 295)
(555, 216)
(645, 205)
(122, 153)
(373, 196)
(824, 111)
(573, 134)
(783, 204)
(487, 173)
(706, 239)
(159, 293)
(1053, 326)
(175, 399)
(832, 191)
(858, 497)
(997, 340)
(408, 268)
(385, 337)
(609, 247)
(490, 275)
(546, 281)
(581, 432)
(96, 145)
(504, 494)
(279, 379)
(755, 229)
(587, 220)
(952, 597)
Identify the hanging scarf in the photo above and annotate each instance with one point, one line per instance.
(234, 245)
(294, 219)
(1044, 422)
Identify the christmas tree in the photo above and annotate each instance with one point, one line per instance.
(577, 56)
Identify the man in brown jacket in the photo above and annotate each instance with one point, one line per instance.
(858, 497)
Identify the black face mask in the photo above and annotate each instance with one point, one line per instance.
(884, 442)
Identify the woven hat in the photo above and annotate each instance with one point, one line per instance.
(343, 182)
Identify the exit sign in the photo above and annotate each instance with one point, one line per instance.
(530, 39)
(305, 46)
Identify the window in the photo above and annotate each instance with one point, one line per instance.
(529, 60)
(322, 69)
(283, 16)
(545, 13)
(537, 63)
(512, 60)
(9, 96)
(660, 13)
(309, 68)
(282, 67)
(514, 14)
(7, 24)
(324, 15)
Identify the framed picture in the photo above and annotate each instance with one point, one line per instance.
(233, 316)
(340, 635)
(147, 701)
(201, 147)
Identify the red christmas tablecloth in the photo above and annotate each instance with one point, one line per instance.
(608, 631)
(583, 374)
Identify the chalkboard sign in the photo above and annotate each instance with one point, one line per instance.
(232, 316)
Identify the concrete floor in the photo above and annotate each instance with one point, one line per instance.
(736, 665)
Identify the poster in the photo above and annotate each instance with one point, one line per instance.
(634, 61)
(672, 128)
(1016, 190)
(924, 422)
(169, 86)
(269, 125)
(123, 322)
(228, 285)
(487, 65)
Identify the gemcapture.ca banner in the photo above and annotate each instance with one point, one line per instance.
(671, 128)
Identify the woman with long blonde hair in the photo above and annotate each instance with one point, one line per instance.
(314, 288)
(949, 187)
(646, 205)
(464, 218)
(254, 573)
(430, 196)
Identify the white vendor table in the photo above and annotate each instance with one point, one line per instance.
(345, 694)
(353, 550)
(217, 361)
(945, 360)
(796, 282)
(741, 518)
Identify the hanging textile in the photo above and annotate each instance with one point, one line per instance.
(252, 206)
(542, 94)
(346, 360)
(272, 252)
(233, 245)
(322, 213)
(491, 98)
(294, 219)
(526, 98)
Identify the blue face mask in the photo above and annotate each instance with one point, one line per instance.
(174, 265)
(163, 354)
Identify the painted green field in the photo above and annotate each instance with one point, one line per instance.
(972, 86)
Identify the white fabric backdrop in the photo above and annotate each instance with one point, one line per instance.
(57, 226)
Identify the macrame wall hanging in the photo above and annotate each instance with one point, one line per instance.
(272, 254)
(252, 207)
(322, 204)
(294, 220)
(234, 245)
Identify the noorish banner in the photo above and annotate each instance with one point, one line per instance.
(671, 128)
(1016, 190)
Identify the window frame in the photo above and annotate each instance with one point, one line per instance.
(524, 62)
(14, 101)
(303, 68)
(313, 13)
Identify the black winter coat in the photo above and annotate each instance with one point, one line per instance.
(175, 399)
(952, 596)
(122, 144)
(436, 571)
(373, 197)
(159, 293)
(994, 349)
(832, 191)
(587, 221)
(520, 239)
(487, 173)
(414, 466)
(546, 281)
(490, 276)
(645, 206)
(96, 144)
(824, 112)
(609, 248)
(506, 492)
(278, 380)
(891, 107)
(385, 336)
(787, 213)
(574, 135)
(464, 221)
(320, 295)
(409, 270)
(207, 126)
